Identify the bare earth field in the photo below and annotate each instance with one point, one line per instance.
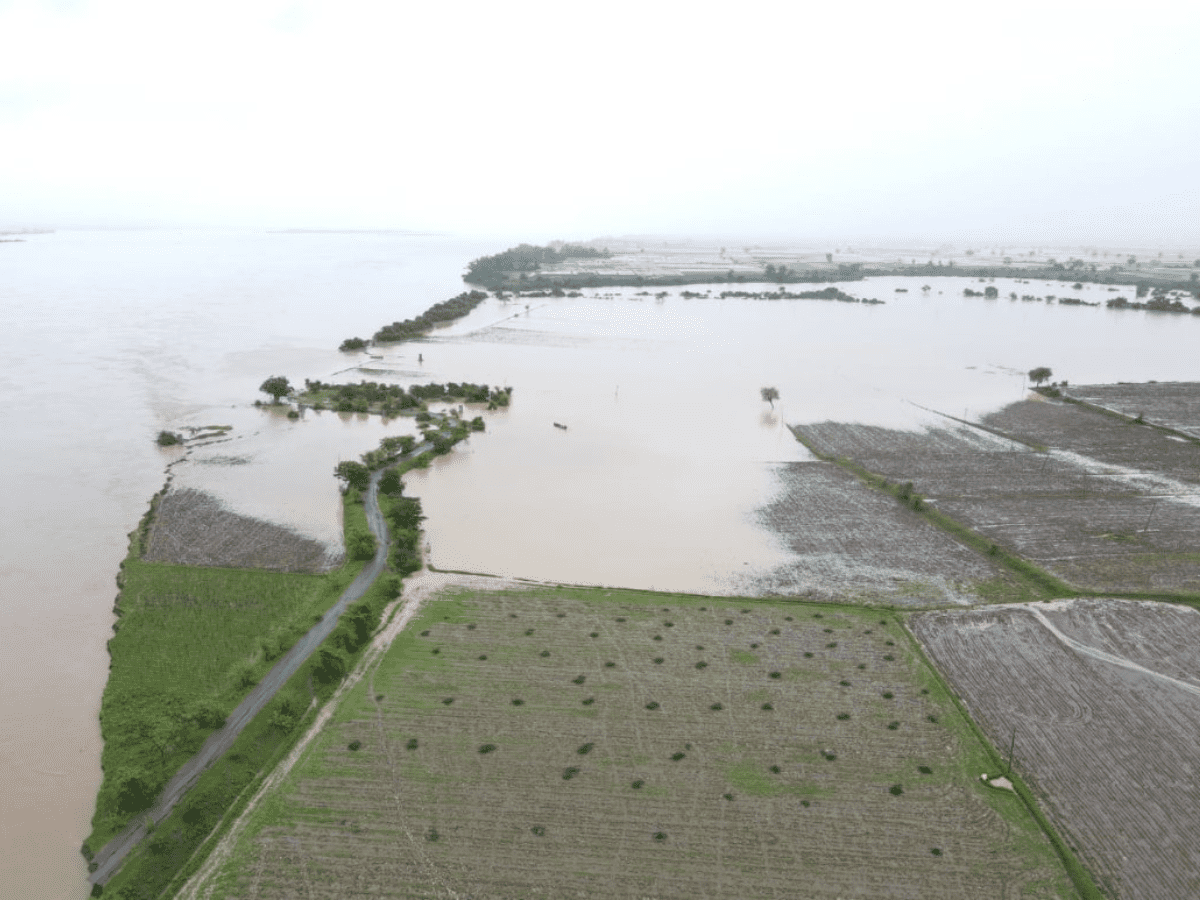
(1105, 698)
(193, 528)
(591, 743)
(853, 543)
(1097, 525)
(1174, 404)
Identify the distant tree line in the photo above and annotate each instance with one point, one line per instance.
(393, 399)
(526, 258)
(829, 293)
(446, 311)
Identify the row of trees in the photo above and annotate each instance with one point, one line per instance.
(446, 311)
(526, 258)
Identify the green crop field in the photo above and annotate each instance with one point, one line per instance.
(593, 743)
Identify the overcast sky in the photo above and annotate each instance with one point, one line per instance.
(1067, 122)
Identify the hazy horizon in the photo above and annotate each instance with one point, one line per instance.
(1016, 124)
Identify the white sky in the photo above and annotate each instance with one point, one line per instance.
(1045, 122)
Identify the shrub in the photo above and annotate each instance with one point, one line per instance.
(932, 719)
(518, 702)
(539, 830)
(829, 755)
(936, 851)
(896, 790)
(653, 704)
(768, 707)
(637, 785)
(728, 796)
(447, 700)
(570, 772)
(925, 770)
(412, 744)
(660, 836)
(585, 749)
(889, 657)
(658, 660)
(168, 439)
(354, 745)
(729, 621)
(544, 653)
(657, 637)
(888, 695)
(487, 748)
(808, 654)
(528, 632)
(678, 755)
(842, 717)
(589, 701)
(716, 707)
(594, 634)
(776, 675)
(776, 769)
(701, 665)
(610, 664)
(831, 645)
(892, 726)
(579, 680)
(844, 683)
(432, 835)
(481, 656)
(774, 631)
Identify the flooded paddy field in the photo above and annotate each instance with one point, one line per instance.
(852, 543)
(1175, 405)
(1091, 522)
(1105, 702)
(598, 743)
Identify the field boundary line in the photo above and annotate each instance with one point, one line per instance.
(1080, 876)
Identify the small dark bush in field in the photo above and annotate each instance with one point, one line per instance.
(831, 645)
(699, 646)
(585, 749)
(562, 615)
(637, 785)
(589, 701)
(471, 626)
(717, 706)
(687, 746)
(610, 665)
(570, 772)
(728, 796)
(354, 745)
(483, 656)
(620, 618)
(539, 830)
(579, 680)
(657, 637)
(844, 683)
(660, 835)
(869, 631)
(425, 633)
(932, 719)
(528, 632)
(925, 770)
(544, 653)
(892, 726)
(891, 643)
(831, 756)
(653, 704)
(744, 611)
(818, 616)
(678, 755)
(704, 609)
(432, 835)
(658, 660)
(436, 650)
(448, 700)
(729, 621)
(594, 634)
(924, 690)
(412, 744)
(888, 695)
(669, 624)
(702, 665)
(768, 707)
(776, 769)
(378, 697)
(512, 615)
(862, 665)
(889, 657)
(787, 618)
(754, 646)
(828, 630)
(487, 748)
(896, 790)
(804, 803)
(936, 851)
(518, 702)
(776, 675)
(808, 654)
(774, 631)
(842, 717)
(883, 621)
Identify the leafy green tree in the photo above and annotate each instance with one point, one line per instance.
(361, 546)
(770, 395)
(277, 386)
(355, 474)
(1040, 374)
(391, 484)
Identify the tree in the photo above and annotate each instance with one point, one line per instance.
(1040, 374)
(355, 474)
(277, 386)
(769, 394)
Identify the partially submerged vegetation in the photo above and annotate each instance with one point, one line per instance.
(392, 400)
(438, 314)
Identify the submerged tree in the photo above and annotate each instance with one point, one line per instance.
(1040, 374)
(277, 386)
(769, 394)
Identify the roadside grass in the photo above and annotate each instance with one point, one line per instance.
(190, 643)
(671, 749)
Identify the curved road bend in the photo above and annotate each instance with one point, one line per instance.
(114, 852)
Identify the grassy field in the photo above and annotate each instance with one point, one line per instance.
(1105, 726)
(596, 743)
(189, 644)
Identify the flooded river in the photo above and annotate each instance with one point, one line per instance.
(667, 456)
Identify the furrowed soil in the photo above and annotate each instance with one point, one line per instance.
(852, 543)
(594, 743)
(1106, 714)
(1096, 524)
(194, 528)
(1173, 404)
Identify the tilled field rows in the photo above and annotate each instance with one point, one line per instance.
(1112, 748)
(1173, 404)
(576, 744)
(1095, 528)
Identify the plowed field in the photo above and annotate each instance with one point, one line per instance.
(614, 744)
(854, 543)
(1173, 404)
(1105, 699)
(1095, 524)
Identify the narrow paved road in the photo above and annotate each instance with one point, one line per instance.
(114, 852)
